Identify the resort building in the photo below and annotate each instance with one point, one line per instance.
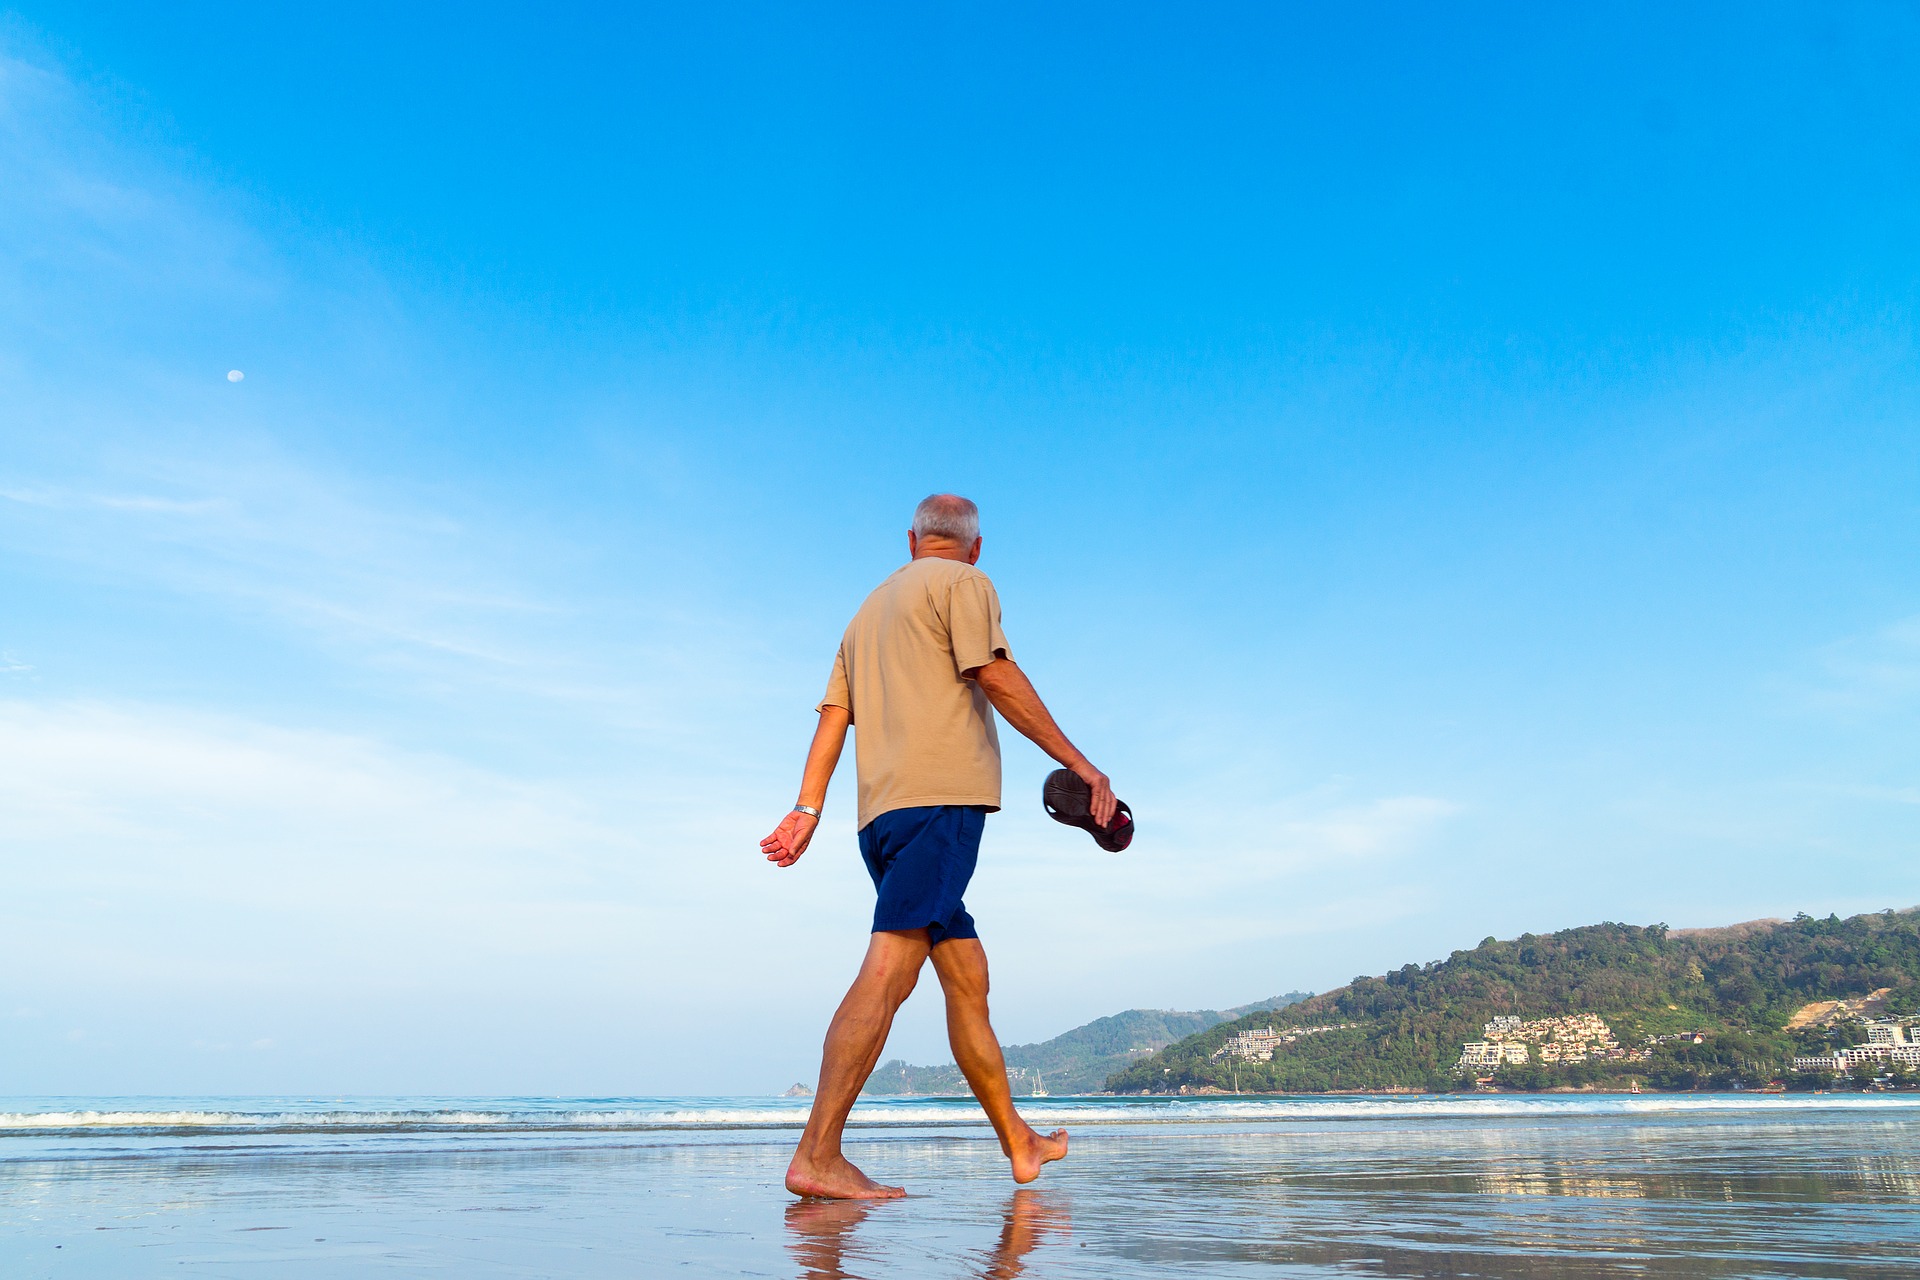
(1905, 1055)
(1574, 1037)
(1259, 1046)
(1845, 1060)
(1254, 1046)
(1480, 1055)
(1892, 1034)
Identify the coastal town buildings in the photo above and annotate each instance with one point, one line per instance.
(1842, 1061)
(1889, 1043)
(1483, 1055)
(1573, 1037)
(1259, 1045)
(1253, 1046)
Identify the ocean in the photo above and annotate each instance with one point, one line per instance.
(1734, 1185)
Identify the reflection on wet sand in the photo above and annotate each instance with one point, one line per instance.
(1609, 1201)
(1031, 1217)
(822, 1239)
(820, 1236)
(1810, 1195)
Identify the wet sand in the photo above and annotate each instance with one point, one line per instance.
(1713, 1194)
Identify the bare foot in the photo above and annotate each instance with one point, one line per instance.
(1034, 1150)
(837, 1179)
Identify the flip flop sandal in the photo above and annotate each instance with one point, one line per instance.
(1069, 799)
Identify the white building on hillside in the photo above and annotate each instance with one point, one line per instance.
(1488, 1054)
(1845, 1060)
(1254, 1046)
(1569, 1038)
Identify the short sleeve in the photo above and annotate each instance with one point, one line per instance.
(973, 623)
(839, 694)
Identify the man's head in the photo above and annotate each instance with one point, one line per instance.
(945, 525)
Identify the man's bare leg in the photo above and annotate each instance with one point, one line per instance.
(962, 966)
(854, 1042)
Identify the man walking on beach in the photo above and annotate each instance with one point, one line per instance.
(921, 669)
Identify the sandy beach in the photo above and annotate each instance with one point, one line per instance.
(1508, 1187)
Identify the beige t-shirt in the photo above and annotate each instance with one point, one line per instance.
(923, 733)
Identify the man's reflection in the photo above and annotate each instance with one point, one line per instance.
(819, 1233)
(821, 1238)
(1031, 1217)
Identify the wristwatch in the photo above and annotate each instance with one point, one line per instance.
(807, 809)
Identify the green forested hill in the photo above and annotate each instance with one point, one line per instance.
(1078, 1061)
(1738, 985)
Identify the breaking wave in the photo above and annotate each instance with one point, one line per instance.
(50, 1117)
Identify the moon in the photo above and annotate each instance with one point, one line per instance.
(234, 375)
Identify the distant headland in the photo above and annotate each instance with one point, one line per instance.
(1804, 1003)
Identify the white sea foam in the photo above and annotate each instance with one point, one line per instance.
(607, 1115)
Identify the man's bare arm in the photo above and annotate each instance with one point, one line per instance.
(795, 832)
(1014, 697)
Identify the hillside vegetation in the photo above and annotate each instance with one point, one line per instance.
(1078, 1061)
(1738, 987)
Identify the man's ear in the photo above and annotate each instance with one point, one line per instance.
(913, 544)
(973, 556)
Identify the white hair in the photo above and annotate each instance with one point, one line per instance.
(949, 516)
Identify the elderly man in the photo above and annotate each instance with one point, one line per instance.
(921, 669)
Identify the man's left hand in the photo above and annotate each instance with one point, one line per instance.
(790, 839)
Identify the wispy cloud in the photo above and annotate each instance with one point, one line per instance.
(127, 781)
(1863, 674)
(531, 778)
(106, 216)
(269, 534)
(1301, 866)
(406, 597)
(166, 821)
(57, 500)
(116, 276)
(1320, 829)
(1390, 825)
(1886, 795)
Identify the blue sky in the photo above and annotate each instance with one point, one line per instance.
(1455, 470)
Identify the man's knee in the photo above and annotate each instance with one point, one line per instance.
(900, 984)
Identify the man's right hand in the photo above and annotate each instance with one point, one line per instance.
(1101, 802)
(790, 839)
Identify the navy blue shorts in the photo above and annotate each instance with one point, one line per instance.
(920, 860)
